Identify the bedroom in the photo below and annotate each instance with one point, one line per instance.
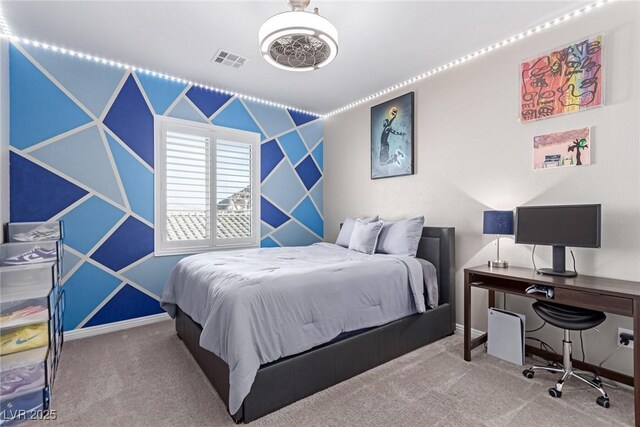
(256, 212)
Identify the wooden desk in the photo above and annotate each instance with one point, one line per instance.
(609, 295)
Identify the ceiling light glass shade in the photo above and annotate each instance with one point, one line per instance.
(298, 41)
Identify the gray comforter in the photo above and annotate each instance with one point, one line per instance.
(258, 305)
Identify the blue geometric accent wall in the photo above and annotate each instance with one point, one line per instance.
(82, 149)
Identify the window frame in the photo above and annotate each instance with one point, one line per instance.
(162, 246)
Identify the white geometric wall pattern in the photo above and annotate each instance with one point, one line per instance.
(81, 150)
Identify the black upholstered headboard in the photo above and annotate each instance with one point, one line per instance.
(437, 245)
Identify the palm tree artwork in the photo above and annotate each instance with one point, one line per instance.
(562, 149)
(577, 146)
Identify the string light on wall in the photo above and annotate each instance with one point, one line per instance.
(7, 34)
(5, 30)
(140, 70)
(524, 34)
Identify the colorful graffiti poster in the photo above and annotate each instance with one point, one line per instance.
(563, 81)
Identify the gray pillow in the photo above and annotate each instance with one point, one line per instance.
(347, 228)
(365, 236)
(401, 237)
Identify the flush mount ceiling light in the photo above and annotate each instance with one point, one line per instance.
(298, 40)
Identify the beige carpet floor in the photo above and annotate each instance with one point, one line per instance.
(146, 377)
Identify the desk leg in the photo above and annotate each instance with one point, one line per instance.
(467, 317)
(636, 360)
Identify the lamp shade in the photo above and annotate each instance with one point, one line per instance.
(498, 222)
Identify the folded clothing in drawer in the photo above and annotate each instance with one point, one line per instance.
(24, 338)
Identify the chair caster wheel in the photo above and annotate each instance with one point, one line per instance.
(555, 393)
(603, 401)
(528, 373)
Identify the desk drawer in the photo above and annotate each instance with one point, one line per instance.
(595, 301)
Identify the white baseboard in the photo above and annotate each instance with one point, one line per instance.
(475, 333)
(115, 326)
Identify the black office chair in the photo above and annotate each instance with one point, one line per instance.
(570, 319)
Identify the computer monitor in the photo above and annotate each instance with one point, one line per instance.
(559, 226)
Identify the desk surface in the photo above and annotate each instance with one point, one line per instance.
(603, 285)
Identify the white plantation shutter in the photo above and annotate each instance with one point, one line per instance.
(188, 187)
(207, 187)
(234, 189)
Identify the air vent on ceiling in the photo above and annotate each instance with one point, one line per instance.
(225, 57)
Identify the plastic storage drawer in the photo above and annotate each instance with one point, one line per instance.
(30, 253)
(24, 312)
(24, 338)
(35, 231)
(23, 407)
(26, 372)
(25, 290)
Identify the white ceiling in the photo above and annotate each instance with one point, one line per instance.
(381, 42)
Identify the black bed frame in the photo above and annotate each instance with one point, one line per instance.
(292, 378)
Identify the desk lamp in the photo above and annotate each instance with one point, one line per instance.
(498, 222)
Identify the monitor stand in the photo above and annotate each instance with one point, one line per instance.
(558, 269)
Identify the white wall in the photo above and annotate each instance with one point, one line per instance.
(4, 136)
(472, 154)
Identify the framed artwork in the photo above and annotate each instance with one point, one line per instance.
(392, 137)
(562, 149)
(562, 81)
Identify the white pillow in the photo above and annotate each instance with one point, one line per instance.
(365, 236)
(344, 237)
(401, 237)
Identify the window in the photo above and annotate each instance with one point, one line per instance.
(207, 187)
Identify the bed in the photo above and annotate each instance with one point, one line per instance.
(329, 357)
